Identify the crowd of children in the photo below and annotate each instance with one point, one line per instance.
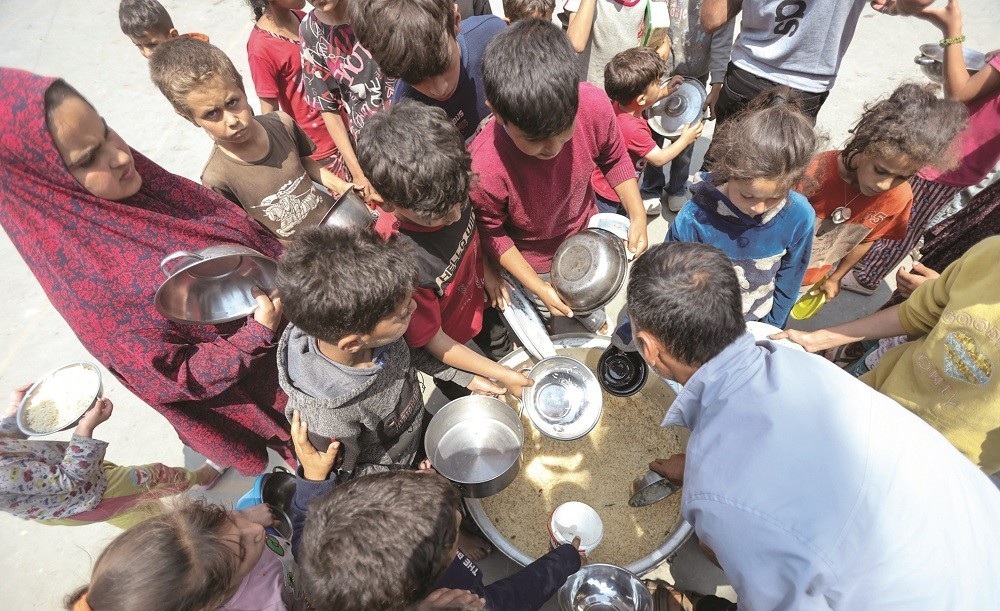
(481, 144)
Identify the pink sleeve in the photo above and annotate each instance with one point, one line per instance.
(170, 366)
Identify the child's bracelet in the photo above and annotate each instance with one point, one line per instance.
(954, 40)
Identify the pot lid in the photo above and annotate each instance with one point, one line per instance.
(668, 116)
(565, 402)
(526, 324)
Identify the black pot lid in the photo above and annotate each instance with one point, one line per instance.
(669, 116)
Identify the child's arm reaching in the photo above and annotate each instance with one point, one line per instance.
(513, 261)
(325, 177)
(628, 193)
(452, 353)
(660, 156)
(313, 478)
(338, 131)
(581, 22)
(958, 85)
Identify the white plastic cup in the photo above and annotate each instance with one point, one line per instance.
(576, 519)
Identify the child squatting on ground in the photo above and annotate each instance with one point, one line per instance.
(262, 163)
(746, 207)
(148, 25)
(417, 161)
(861, 194)
(70, 483)
(632, 81)
(535, 158)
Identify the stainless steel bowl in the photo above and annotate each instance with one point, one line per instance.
(565, 401)
(604, 587)
(589, 269)
(72, 417)
(476, 443)
(213, 285)
(649, 488)
(931, 60)
(349, 212)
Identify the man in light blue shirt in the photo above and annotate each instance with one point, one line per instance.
(813, 490)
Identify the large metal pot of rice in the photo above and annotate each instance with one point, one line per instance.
(590, 470)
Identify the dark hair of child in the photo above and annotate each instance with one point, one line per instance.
(259, 7)
(178, 560)
(686, 294)
(531, 78)
(771, 139)
(180, 65)
(336, 282)
(416, 159)
(138, 18)
(419, 47)
(517, 10)
(913, 122)
(379, 541)
(631, 72)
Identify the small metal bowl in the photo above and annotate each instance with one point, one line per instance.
(213, 285)
(604, 587)
(931, 61)
(649, 488)
(283, 525)
(72, 417)
(349, 212)
(565, 402)
(589, 269)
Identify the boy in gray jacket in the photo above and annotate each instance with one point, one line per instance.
(343, 360)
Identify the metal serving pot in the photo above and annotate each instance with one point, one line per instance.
(349, 212)
(681, 531)
(476, 443)
(213, 285)
(589, 269)
(603, 587)
(931, 61)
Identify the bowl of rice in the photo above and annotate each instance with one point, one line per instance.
(59, 399)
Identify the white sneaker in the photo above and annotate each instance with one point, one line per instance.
(652, 206)
(676, 202)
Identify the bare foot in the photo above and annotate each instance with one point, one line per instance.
(472, 546)
(259, 514)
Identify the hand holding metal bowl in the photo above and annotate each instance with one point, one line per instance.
(931, 61)
(589, 269)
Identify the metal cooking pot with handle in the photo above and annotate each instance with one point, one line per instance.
(213, 285)
(476, 443)
(349, 212)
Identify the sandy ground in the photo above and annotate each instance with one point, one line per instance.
(81, 42)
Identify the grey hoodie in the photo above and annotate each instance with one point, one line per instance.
(377, 413)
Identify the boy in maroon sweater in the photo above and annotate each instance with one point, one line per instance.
(535, 158)
(416, 160)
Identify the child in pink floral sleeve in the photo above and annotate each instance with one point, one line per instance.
(70, 483)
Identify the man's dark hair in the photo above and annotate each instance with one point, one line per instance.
(408, 39)
(687, 296)
(335, 282)
(416, 159)
(630, 72)
(379, 541)
(138, 18)
(531, 78)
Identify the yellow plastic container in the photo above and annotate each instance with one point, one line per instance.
(811, 302)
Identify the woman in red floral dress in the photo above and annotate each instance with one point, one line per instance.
(92, 219)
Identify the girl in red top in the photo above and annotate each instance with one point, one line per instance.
(276, 70)
(861, 193)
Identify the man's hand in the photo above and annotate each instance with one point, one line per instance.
(712, 100)
(908, 281)
(671, 468)
(268, 312)
(316, 465)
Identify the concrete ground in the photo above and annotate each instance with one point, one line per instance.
(81, 42)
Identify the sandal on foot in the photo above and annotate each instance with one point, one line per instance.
(850, 283)
(220, 471)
